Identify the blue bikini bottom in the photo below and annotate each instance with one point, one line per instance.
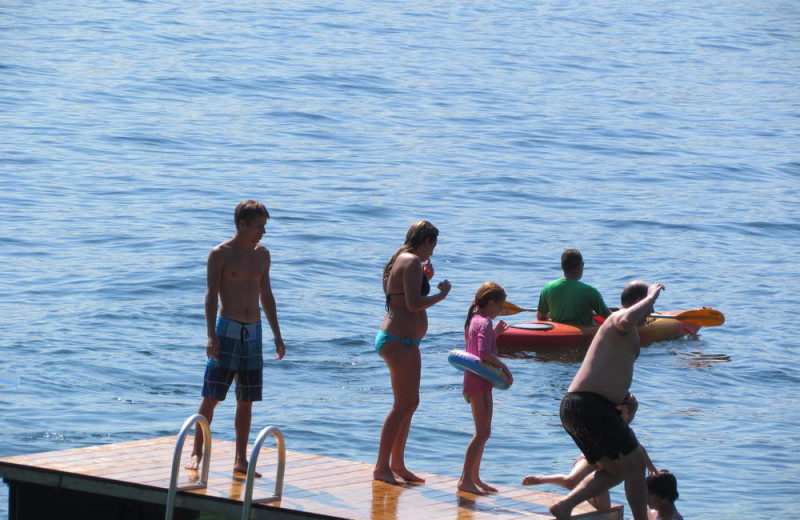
(384, 337)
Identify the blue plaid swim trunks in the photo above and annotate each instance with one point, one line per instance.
(239, 357)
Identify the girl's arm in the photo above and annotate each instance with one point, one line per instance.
(492, 359)
(487, 355)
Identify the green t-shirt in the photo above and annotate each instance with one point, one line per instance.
(571, 301)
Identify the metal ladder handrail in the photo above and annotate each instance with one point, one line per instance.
(251, 470)
(176, 461)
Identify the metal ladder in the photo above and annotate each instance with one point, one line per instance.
(176, 461)
(251, 470)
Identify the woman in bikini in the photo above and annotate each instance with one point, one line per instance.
(405, 282)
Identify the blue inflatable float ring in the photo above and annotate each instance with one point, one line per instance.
(463, 360)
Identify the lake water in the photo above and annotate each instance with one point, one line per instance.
(661, 139)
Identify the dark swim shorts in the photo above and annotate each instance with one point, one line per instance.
(596, 426)
(239, 357)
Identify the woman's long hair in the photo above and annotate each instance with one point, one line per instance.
(487, 292)
(415, 237)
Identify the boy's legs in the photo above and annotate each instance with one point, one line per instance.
(580, 470)
(558, 479)
(248, 389)
(596, 483)
(244, 416)
(206, 409)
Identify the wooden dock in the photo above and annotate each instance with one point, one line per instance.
(130, 480)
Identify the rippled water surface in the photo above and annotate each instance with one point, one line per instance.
(660, 139)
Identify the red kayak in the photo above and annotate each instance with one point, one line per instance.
(659, 327)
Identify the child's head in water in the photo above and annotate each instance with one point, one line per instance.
(662, 490)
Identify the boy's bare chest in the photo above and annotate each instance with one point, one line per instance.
(244, 268)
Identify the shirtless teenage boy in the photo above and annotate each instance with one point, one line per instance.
(589, 413)
(238, 278)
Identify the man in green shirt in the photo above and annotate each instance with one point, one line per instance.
(568, 300)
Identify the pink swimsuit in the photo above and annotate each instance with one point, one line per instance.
(480, 338)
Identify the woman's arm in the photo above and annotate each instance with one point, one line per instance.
(411, 270)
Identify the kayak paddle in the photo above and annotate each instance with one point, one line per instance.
(511, 309)
(705, 317)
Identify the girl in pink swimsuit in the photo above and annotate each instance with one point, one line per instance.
(480, 336)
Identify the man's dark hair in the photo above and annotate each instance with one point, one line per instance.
(571, 261)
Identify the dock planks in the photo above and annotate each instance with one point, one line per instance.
(314, 486)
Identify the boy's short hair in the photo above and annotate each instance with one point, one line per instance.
(633, 292)
(663, 485)
(247, 210)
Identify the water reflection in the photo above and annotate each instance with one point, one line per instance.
(385, 498)
(549, 354)
(466, 507)
(697, 359)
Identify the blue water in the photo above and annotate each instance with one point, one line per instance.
(661, 139)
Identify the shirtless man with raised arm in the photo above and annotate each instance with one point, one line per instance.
(238, 278)
(589, 409)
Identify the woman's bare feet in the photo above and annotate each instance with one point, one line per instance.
(486, 487)
(470, 487)
(408, 476)
(385, 475)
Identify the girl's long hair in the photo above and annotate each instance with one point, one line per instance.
(415, 237)
(487, 292)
